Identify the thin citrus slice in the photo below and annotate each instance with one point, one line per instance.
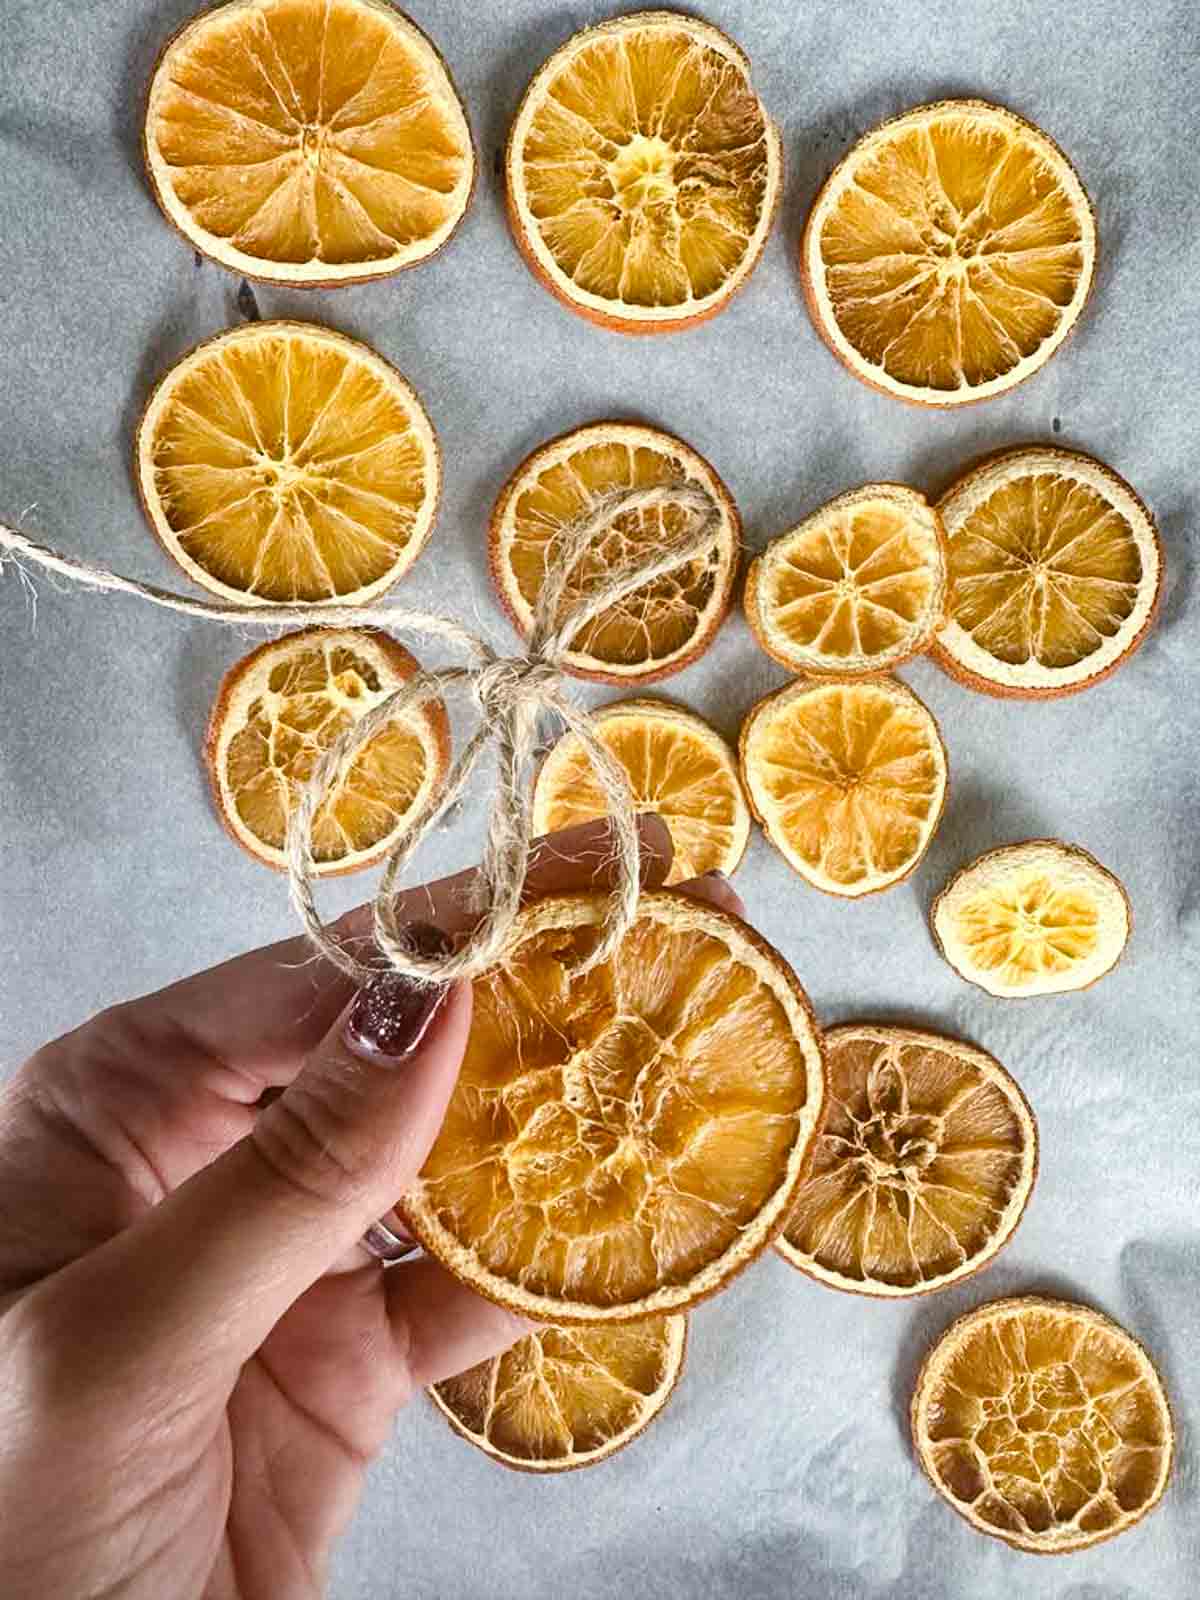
(657, 629)
(1040, 917)
(923, 1162)
(621, 1144)
(283, 462)
(949, 254)
(566, 1397)
(1056, 572)
(1043, 1423)
(309, 142)
(860, 586)
(282, 706)
(848, 778)
(677, 766)
(643, 172)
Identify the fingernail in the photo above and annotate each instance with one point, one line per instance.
(393, 1012)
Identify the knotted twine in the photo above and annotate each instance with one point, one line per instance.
(511, 693)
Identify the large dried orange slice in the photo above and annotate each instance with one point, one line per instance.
(643, 172)
(566, 1397)
(847, 777)
(621, 1144)
(1040, 917)
(1043, 1423)
(283, 462)
(1056, 572)
(282, 706)
(860, 586)
(308, 141)
(949, 254)
(657, 629)
(677, 766)
(923, 1162)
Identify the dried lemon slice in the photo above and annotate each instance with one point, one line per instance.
(1043, 1423)
(677, 766)
(310, 142)
(643, 172)
(1056, 572)
(923, 1162)
(860, 586)
(949, 254)
(621, 1144)
(282, 706)
(566, 1397)
(848, 778)
(1040, 917)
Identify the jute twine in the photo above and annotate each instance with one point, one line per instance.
(511, 692)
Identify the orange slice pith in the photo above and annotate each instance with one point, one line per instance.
(621, 1144)
(563, 1398)
(284, 463)
(282, 706)
(1056, 572)
(309, 142)
(677, 767)
(860, 586)
(1043, 1423)
(848, 778)
(658, 629)
(643, 172)
(949, 254)
(921, 1168)
(1041, 917)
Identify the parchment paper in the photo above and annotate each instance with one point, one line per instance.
(782, 1465)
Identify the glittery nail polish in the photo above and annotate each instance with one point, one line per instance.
(392, 1013)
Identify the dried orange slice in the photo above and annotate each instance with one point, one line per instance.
(282, 706)
(1056, 573)
(848, 778)
(676, 765)
(1040, 917)
(566, 1397)
(621, 1144)
(860, 586)
(643, 172)
(1043, 1423)
(309, 142)
(923, 1162)
(949, 254)
(283, 462)
(658, 629)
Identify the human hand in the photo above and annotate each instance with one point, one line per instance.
(200, 1361)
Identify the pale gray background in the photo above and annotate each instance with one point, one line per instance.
(782, 1466)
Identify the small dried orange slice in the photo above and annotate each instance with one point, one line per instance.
(620, 1144)
(643, 172)
(282, 706)
(848, 778)
(949, 254)
(1040, 917)
(677, 766)
(311, 142)
(566, 1397)
(1043, 1423)
(284, 463)
(658, 629)
(860, 586)
(1056, 572)
(923, 1162)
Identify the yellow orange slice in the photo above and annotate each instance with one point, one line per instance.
(949, 254)
(282, 706)
(643, 172)
(308, 141)
(1043, 1423)
(921, 1168)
